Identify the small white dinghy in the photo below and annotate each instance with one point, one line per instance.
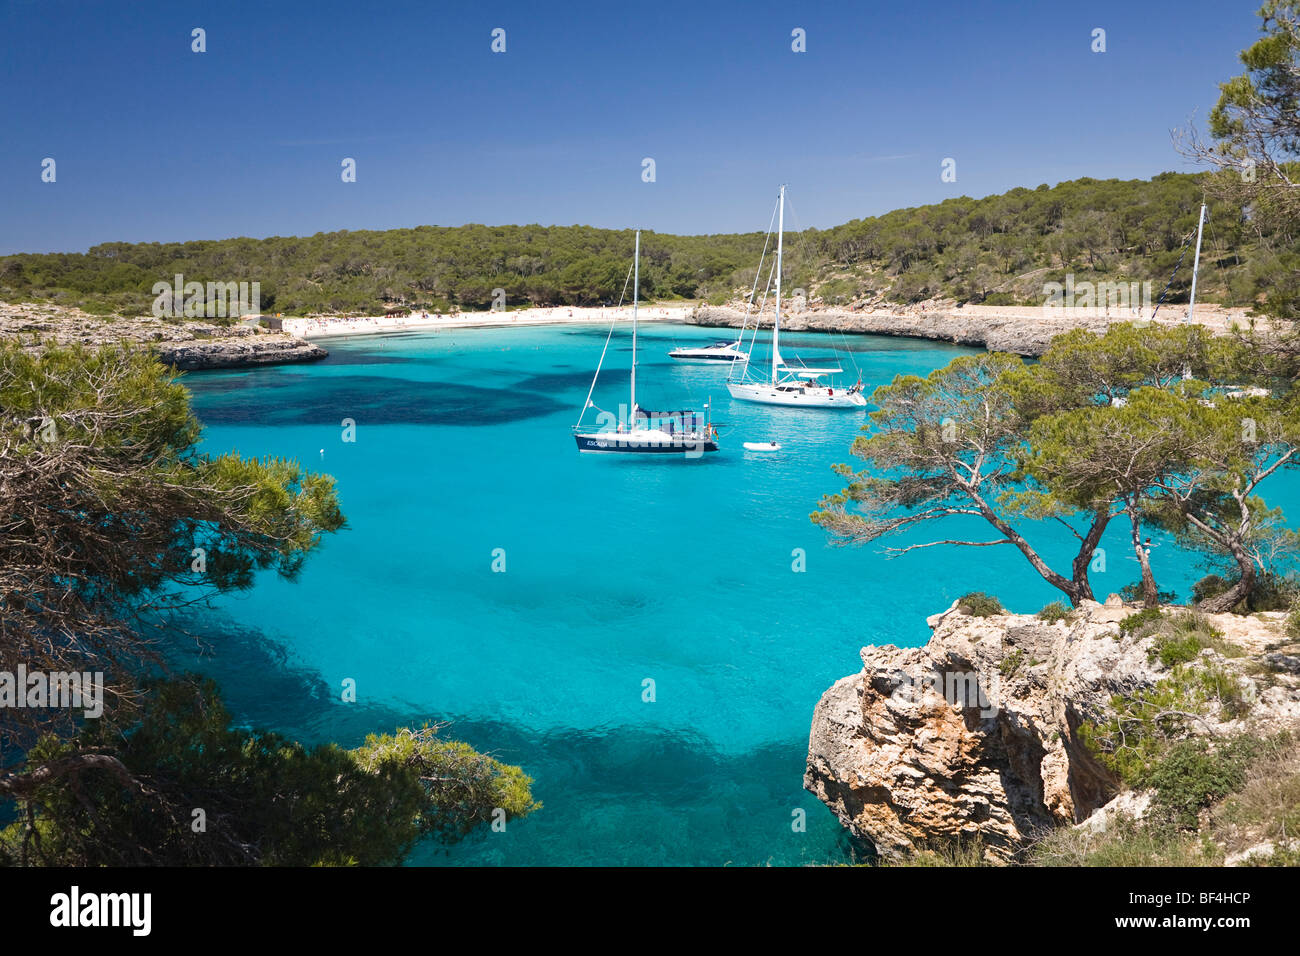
(762, 446)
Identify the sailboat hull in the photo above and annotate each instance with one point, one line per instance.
(644, 443)
(797, 396)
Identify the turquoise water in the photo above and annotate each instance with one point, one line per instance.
(616, 572)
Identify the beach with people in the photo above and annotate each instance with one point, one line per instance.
(314, 326)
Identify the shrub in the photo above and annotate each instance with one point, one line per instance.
(1192, 775)
(979, 604)
(1171, 649)
(1056, 611)
(1145, 724)
(1133, 592)
(1182, 637)
(1011, 662)
(1143, 618)
(1125, 842)
(1212, 585)
(1272, 592)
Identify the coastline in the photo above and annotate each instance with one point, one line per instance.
(1022, 330)
(196, 344)
(324, 326)
(188, 345)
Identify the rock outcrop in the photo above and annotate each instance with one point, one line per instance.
(975, 735)
(1020, 330)
(189, 345)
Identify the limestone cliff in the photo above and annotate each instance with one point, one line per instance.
(189, 344)
(976, 734)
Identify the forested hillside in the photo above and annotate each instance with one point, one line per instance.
(997, 250)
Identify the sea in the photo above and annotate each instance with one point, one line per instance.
(647, 639)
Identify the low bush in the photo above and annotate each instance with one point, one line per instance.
(979, 604)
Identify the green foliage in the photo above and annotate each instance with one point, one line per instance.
(1011, 663)
(996, 249)
(464, 788)
(979, 604)
(1272, 591)
(1192, 774)
(266, 800)
(1143, 726)
(1056, 611)
(1143, 618)
(1171, 649)
(1133, 592)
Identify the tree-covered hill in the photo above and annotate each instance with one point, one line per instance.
(999, 250)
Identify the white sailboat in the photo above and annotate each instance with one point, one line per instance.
(683, 433)
(795, 385)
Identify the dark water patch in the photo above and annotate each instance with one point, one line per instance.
(374, 400)
(575, 382)
(371, 357)
(226, 382)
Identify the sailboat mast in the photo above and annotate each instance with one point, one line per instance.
(1196, 264)
(636, 287)
(776, 324)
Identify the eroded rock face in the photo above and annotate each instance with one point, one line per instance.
(189, 345)
(976, 733)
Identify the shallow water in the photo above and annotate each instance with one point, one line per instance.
(616, 572)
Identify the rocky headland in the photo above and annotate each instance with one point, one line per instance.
(187, 344)
(976, 737)
(1023, 331)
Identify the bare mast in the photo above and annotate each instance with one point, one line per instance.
(1196, 264)
(636, 284)
(776, 324)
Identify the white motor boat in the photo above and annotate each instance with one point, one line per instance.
(710, 354)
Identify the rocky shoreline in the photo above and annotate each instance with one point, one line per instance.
(975, 736)
(189, 345)
(1023, 331)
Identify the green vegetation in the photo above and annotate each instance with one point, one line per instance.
(1143, 727)
(960, 852)
(979, 604)
(1056, 611)
(1134, 623)
(1153, 426)
(1210, 798)
(1000, 250)
(264, 799)
(113, 521)
(1256, 131)
(1125, 842)
(1195, 773)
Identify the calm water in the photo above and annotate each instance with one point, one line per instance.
(616, 572)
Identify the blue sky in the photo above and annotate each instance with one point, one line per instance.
(154, 142)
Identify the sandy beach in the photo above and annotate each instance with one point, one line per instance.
(323, 326)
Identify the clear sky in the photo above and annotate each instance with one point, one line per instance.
(154, 142)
